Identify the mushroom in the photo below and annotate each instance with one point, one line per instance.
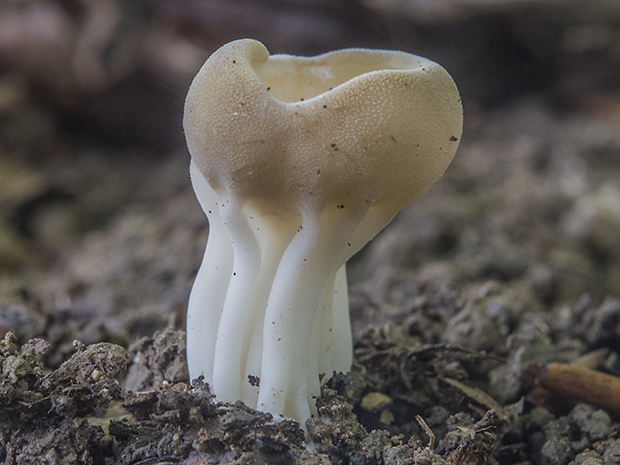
(298, 162)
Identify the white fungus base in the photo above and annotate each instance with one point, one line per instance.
(269, 301)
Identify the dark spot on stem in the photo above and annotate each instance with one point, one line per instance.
(453, 139)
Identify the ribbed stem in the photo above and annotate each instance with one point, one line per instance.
(208, 293)
(307, 272)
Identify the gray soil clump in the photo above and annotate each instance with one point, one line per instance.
(43, 414)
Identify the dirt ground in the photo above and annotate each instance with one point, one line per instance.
(486, 317)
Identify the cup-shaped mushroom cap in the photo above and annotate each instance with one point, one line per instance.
(350, 128)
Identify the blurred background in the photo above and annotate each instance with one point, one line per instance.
(97, 217)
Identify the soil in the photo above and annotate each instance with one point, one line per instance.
(460, 309)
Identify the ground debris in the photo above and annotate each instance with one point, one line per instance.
(41, 409)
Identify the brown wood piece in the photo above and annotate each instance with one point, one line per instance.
(581, 384)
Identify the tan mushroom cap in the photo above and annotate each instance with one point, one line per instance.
(349, 128)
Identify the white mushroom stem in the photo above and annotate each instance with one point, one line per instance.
(298, 162)
(231, 301)
(306, 273)
(209, 291)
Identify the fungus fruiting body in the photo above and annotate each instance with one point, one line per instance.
(298, 162)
